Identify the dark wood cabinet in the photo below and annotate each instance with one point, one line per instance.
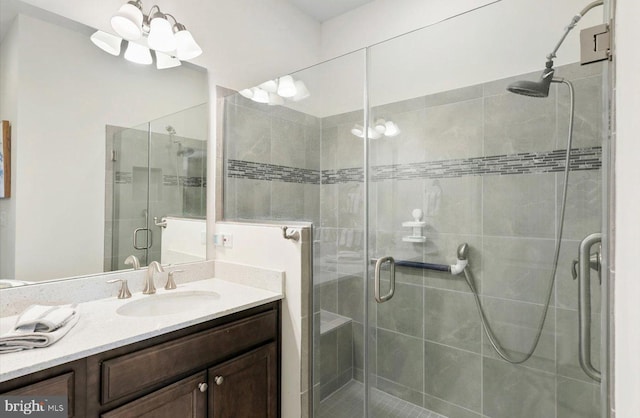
(185, 399)
(228, 367)
(246, 386)
(65, 380)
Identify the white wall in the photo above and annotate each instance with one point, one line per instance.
(383, 19)
(627, 210)
(264, 246)
(64, 104)
(9, 111)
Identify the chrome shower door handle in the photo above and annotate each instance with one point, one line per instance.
(149, 241)
(392, 287)
(584, 304)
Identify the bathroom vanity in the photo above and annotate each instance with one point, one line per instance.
(213, 356)
(225, 367)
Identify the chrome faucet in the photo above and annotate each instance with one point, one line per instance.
(133, 260)
(149, 286)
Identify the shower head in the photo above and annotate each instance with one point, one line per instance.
(170, 129)
(538, 88)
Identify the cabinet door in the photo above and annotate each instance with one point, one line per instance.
(56, 386)
(184, 399)
(246, 386)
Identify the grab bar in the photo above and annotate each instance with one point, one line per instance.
(454, 269)
(584, 303)
(419, 265)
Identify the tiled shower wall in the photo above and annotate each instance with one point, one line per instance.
(272, 162)
(485, 167)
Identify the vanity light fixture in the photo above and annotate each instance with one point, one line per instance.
(274, 92)
(144, 32)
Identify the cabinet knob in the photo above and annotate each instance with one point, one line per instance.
(219, 380)
(203, 387)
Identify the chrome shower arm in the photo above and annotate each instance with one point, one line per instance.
(572, 24)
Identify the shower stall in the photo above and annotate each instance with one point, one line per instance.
(154, 170)
(456, 257)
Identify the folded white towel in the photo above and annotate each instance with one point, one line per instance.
(39, 326)
(43, 318)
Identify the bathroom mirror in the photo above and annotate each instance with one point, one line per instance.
(101, 146)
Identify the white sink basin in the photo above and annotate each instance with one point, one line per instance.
(168, 303)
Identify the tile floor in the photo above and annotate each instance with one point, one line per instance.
(347, 402)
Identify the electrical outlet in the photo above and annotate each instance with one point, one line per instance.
(223, 240)
(227, 240)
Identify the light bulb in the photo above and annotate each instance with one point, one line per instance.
(161, 35)
(107, 42)
(380, 126)
(127, 22)
(286, 86)
(138, 53)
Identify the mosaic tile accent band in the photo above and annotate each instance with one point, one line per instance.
(522, 163)
(271, 172)
(126, 177)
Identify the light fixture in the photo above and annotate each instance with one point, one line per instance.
(160, 34)
(391, 129)
(301, 91)
(107, 42)
(186, 48)
(286, 87)
(358, 131)
(260, 95)
(270, 86)
(138, 53)
(127, 22)
(248, 93)
(380, 127)
(166, 61)
(148, 31)
(275, 99)
(274, 92)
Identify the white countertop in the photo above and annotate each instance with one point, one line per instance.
(101, 329)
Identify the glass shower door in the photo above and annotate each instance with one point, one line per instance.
(462, 172)
(130, 196)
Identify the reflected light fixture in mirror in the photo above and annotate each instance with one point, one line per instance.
(381, 127)
(274, 92)
(151, 31)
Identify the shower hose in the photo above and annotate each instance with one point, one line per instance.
(495, 342)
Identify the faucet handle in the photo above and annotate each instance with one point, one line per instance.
(171, 284)
(124, 292)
